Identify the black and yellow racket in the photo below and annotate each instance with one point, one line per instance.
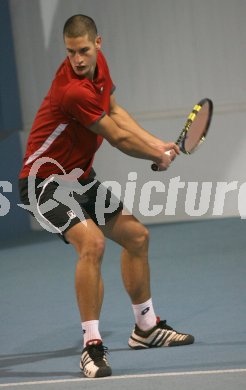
(195, 129)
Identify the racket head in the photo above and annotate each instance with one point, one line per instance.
(196, 126)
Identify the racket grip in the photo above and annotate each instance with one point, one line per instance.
(154, 166)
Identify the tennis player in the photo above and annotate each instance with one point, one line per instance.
(79, 111)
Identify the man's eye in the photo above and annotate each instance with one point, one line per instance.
(83, 51)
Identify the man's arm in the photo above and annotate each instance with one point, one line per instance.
(126, 122)
(130, 143)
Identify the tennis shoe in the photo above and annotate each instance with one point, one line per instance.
(161, 335)
(94, 362)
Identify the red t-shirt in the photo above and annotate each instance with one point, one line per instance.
(60, 130)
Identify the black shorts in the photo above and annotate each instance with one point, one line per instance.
(58, 205)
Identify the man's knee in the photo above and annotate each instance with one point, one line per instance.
(139, 238)
(92, 250)
(89, 243)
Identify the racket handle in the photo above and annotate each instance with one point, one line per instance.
(154, 166)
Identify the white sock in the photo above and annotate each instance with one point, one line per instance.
(144, 315)
(91, 331)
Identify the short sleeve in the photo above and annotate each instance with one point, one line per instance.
(83, 103)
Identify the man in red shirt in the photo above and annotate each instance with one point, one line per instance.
(80, 111)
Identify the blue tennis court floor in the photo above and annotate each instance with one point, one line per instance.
(198, 285)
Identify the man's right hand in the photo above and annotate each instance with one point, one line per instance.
(170, 150)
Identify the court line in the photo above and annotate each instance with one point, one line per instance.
(136, 376)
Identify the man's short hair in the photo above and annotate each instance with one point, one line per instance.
(80, 25)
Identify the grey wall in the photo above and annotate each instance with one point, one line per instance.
(164, 55)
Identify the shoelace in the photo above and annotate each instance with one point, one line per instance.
(163, 325)
(97, 352)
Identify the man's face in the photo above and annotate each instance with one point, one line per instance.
(82, 54)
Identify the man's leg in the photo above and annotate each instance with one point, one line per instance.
(88, 241)
(133, 237)
(149, 331)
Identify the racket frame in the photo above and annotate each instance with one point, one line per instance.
(192, 116)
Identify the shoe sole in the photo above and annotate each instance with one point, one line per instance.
(134, 344)
(101, 372)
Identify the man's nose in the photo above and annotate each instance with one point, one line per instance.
(78, 59)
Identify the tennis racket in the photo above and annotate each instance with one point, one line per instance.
(195, 129)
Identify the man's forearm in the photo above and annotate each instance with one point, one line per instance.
(134, 146)
(128, 142)
(124, 120)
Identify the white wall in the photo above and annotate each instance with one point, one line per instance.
(164, 55)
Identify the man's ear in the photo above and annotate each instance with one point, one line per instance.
(98, 42)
